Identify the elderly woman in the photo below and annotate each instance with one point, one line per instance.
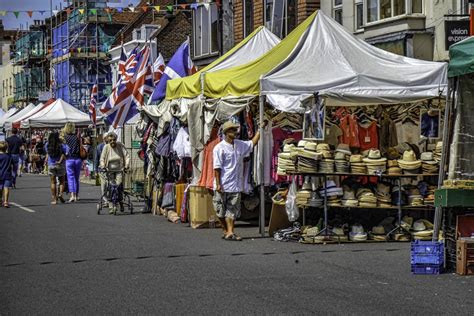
(114, 159)
(73, 160)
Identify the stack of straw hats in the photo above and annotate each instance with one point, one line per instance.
(357, 233)
(326, 165)
(315, 200)
(378, 233)
(285, 162)
(422, 230)
(308, 157)
(414, 197)
(382, 192)
(302, 197)
(428, 164)
(349, 198)
(430, 195)
(366, 198)
(438, 151)
(409, 163)
(376, 164)
(334, 193)
(357, 165)
(342, 157)
(393, 168)
(339, 234)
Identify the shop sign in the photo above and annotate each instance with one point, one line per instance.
(456, 31)
(136, 144)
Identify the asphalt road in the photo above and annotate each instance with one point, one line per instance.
(66, 259)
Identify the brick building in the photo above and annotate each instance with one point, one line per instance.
(280, 16)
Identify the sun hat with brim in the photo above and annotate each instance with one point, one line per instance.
(302, 143)
(310, 146)
(229, 125)
(340, 156)
(350, 203)
(423, 233)
(343, 148)
(419, 226)
(409, 159)
(393, 171)
(392, 163)
(356, 158)
(427, 156)
(378, 230)
(323, 147)
(288, 148)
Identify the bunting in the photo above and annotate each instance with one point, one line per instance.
(144, 8)
(3, 12)
(30, 13)
(93, 11)
(16, 13)
(169, 8)
(42, 12)
(81, 11)
(157, 8)
(55, 12)
(132, 9)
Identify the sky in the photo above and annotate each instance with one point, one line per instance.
(11, 22)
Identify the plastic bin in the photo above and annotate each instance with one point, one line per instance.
(427, 252)
(426, 269)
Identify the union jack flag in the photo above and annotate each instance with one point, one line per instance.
(131, 89)
(158, 69)
(93, 103)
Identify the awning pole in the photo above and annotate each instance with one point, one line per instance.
(260, 165)
(447, 114)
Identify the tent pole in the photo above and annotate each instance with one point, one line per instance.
(442, 165)
(261, 170)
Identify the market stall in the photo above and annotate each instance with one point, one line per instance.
(8, 114)
(8, 122)
(334, 68)
(57, 114)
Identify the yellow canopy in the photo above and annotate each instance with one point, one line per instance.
(245, 79)
(253, 46)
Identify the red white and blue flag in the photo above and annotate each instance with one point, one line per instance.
(158, 69)
(180, 65)
(135, 83)
(93, 103)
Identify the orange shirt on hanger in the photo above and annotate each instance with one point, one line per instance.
(368, 136)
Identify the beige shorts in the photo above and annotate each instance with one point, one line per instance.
(227, 205)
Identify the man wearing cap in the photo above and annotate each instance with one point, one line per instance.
(228, 158)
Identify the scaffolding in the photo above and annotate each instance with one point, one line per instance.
(79, 53)
(31, 80)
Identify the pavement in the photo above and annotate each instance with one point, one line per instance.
(66, 259)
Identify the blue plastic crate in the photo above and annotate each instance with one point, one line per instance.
(427, 252)
(426, 269)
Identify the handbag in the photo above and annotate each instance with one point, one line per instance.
(82, 152)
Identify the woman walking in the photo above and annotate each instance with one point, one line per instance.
(73, 161)
(56, 153)
(6, 172)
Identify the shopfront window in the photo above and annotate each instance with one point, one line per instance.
(206, 30)
(248, 17)
(359, 16)
(280, 16)
(372, 10)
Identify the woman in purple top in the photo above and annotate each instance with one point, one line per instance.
(6, 171)
(73, 160)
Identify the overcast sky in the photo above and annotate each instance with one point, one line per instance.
(11, 22)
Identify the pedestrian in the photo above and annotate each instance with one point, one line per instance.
(73, 161)
(228, 159)
(115, 160)
(15, 142)
(6, 172)
(56, 157)
(102, 175)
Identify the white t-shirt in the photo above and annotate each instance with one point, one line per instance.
(182, 145)
(230, 159)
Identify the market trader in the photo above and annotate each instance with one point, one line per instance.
(228, 160)
(15, 145)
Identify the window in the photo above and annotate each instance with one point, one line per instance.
(337, 12)
(248, 17)
(417, 6)
(385, 9)
(206, 30)
(280, 16)
(359, 16)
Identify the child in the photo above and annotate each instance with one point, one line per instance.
(6, 165)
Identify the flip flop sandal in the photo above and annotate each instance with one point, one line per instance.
(233, 237)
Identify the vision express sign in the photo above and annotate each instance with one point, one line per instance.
(456, 31)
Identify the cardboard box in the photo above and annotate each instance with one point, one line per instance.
(200, 207)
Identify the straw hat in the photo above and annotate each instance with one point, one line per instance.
(394, 170)
(375, 158)
(409, 161)
(323, 147)
(310, 146)
(344, 148)
(288, 148)
(302, 143)
(392, 163)
(356, 159)
(419, 226)
(229, 125)
(378, 230)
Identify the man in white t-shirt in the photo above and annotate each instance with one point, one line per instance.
(228, 164)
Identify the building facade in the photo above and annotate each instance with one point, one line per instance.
(413, 28)
(7, 69)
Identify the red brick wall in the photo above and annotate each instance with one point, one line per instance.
(305, 9)
(174, 34)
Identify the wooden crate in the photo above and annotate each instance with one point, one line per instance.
(465, 257)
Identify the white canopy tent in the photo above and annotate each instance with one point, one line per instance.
(334, 63)
(9, 113)
(56, 115)
(2, 112)
(8, 124)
